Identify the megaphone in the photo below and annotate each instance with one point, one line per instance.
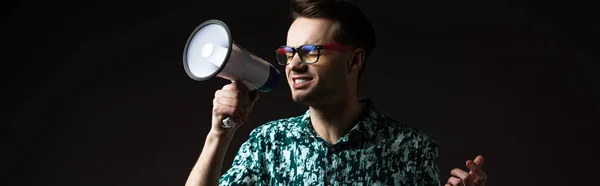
(210, 52)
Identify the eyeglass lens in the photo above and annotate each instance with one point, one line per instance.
(307, 54)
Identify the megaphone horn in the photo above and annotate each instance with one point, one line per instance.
(210, 52)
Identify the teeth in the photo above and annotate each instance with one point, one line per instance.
(298, 81)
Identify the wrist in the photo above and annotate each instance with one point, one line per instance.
(220, 135)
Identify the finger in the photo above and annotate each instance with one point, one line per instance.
(222, 111)
(464, 176)
(459, 173)
(479, 160)
(472, 166)
(238, 89)
(454, 181)
(226, 94)
(231, 86)
(475, 169)
(230, 102)
(229, 107)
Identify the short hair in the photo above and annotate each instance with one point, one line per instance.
(355, 28)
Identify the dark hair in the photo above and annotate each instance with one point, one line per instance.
(354, 27)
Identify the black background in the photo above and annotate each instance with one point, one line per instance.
(94, 92)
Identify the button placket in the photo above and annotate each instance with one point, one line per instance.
(335, 162)
(328, 162)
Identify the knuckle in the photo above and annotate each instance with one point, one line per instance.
(467, 177)
(453, 181)
(229, 111)
(221, 111)
(235, 103)
(226, 87)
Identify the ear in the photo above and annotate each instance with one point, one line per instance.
(357, 60)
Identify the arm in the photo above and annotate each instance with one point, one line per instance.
(247, 168)
(207, 169)
(232, 100)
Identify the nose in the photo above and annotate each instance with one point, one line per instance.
(296, 64)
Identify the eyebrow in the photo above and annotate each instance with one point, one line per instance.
(319, 41)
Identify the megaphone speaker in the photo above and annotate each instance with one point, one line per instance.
(211, 52)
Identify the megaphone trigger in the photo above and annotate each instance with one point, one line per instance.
(228, 123)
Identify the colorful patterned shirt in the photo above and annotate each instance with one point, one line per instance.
(377, 151)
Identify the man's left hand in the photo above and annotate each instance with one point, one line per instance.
(475, 177)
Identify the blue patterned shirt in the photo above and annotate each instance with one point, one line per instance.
(377, 151)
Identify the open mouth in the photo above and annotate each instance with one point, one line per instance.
(301, 82)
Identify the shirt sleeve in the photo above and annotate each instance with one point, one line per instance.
(429, 170)
(247, 167)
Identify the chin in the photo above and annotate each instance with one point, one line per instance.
(316, 99)
(299, 97)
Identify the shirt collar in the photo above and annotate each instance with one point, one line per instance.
(366, 124)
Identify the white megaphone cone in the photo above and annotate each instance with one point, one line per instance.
(210, 51)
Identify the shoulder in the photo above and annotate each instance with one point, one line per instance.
(403, 136)
(393, 131)
(276, 128)
(419, 150)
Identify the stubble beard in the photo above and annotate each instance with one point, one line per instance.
(319, 95)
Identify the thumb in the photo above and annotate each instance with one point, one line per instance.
(240, 86)
(254, 95)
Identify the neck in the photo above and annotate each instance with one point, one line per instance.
(333, 121)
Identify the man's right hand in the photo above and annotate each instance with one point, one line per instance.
(233, 100)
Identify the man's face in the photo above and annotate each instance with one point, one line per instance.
(321, 82)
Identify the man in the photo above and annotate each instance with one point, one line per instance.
(340, 139)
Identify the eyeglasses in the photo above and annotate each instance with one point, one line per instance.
(308, 53)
